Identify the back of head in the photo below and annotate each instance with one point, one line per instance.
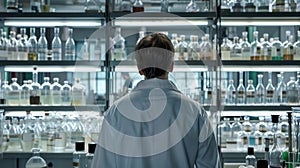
(154, 55)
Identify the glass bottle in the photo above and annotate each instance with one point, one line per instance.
(281, 90)
(225, 49)
(250, 93)
(292, 91)
(278, 6)
(276, 51)
(245, 46)
(36, 160)
(236, 128)
(238, 6)
(226, 5)
(46, 98)
(97, 51)
(270, 91)
(12, 5)
(4, 44)
(59, 137)
(14, 96)
(205, 48)
(42, 45)
(164, 5)
(84, 51)
(225, 132)
(67, 129)
(255, 48)
(22, 45)
(241, 96)
(56, 45)
(248, 128)
(79, 156)
(32, 46)
(261, 129)
(36, 92)
(119, 52)
(70, 54)
(78, 93)
(236, 51)
(66, 92)
(5, 134)
(14, 137)
(193, 48)
(45, 5)
(263, 6)
(182, 48)
(174, 39)
(231, 93)
(27, 135)
(90, 154)
(125, 6)
(249, 6)
(25, 93)
(260, 90)
(138, 6)
(297, 46)
(288, 48)
(50, 132)
(275, 153)
(56, 92)
(141, 36)
(6, 92)
(266, 47)
(250, 158)
(77, 131)
(192, 7)
(283, 130)
(267, 150)
(12, 46)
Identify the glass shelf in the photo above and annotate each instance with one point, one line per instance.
(99, 108)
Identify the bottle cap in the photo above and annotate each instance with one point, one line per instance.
(250, 151)
(79, 146)
(275, 118)
(262, 164)
(92, 147)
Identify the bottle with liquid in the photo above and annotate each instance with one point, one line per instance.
(238, 6)
(281, 90)
(225, 132)
(297, 46)
(250, 93)
(241, 96)
(26, 89)
(292, 91)
(164, 5)
(205, 48)
(70, 54)
(4, 44)
(276, 49)
(263, 6)
(236, 128)
(42, 45)
(5, 139)
(59, 137)
(225, 49)
(138, 6)
(12, 97)
(90, 154)
(275, 153)
(22, 45)
(283, 129)
(36, 160)
(32, 46)
(192, 6)
(35, 6)
(174, 39)
(245, 46)
(125, 6)
(270, 91)
(46, 98)
(56, 92)
(12, 5)
(255, 48)
(260, 90)
(50, 133)
(248, 129)
(250, 6)
(278, 6)
(288, 48)
(119, 52)
(66, 125)
(79, 156)
(182, 48)
(250, 158)
(45, 5)
(56, 45)
(28, 134)
(236, 51)
(261, 129)
(141, 36)
(193, 48)
(66, 93)
(12, 46)
(14, 143)
(266, 47)
(6, 89)
(35, 92)
(78, 93)
(231, 93)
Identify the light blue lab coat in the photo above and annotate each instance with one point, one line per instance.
(156, 126)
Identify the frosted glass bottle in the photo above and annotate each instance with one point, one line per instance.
(182, 48)
(292, 91)
(280, 90)
(236, 50)
(56, 46)
(231, 93)
(193, 48)
(70, 46)
(27, 135)
(206, 48)
(22, 45)
(12, 46)
(118, 41)
(276, 51)
(245, 46)
(56, 92)
(225, 49)
(241, 96)
(42, 45)
(250, 93)
(270, 92)
(25, 93)
(36, 161)
(260, 90)
(14, 137)
(78, 93)
(66, 93)
(46, 98)
(32, 46)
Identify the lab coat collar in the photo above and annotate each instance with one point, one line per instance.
(155, 83)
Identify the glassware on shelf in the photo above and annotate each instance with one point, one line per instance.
(275, 153)
(4, 44)
(236, 128)
(226, 5)
(77, 131)
(250, 158)
(14, 95)
(292, 91)
(125, 6)
(46, 98)
(138, 6)
(56, 92)
(192, 6)
(78, 93)
(90, 154)
(288, 48)
(250, 93)
(278, 6)
(14, 143)
(248, 128)
(241, 95)
(245, 46)
(66, 93)
(28, 134)
(36, 161)
(22, 45)
(281, 89)
(70, 53)
(297, 46)
(225, 132)
(164, 5)
(276, 51)
(205, 48)
(238, 6)
(6, 89)
(12, 5)
(42, 45)
(79, 156)
(250, 6)
(35, 92)
(182, 48)
(266, 47)
(119, 52)
(260, 90)
(231, 93)
(263, 6)
(26, 89)
(84, 51)
(12, 46)
(32, 46)
(225, 49)
(59, 137)
(283, 130)
(256, 48)
(5, 135)
(67, 129)
(56, 46)
(270, 91)
(193, 48)
(174, 39)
